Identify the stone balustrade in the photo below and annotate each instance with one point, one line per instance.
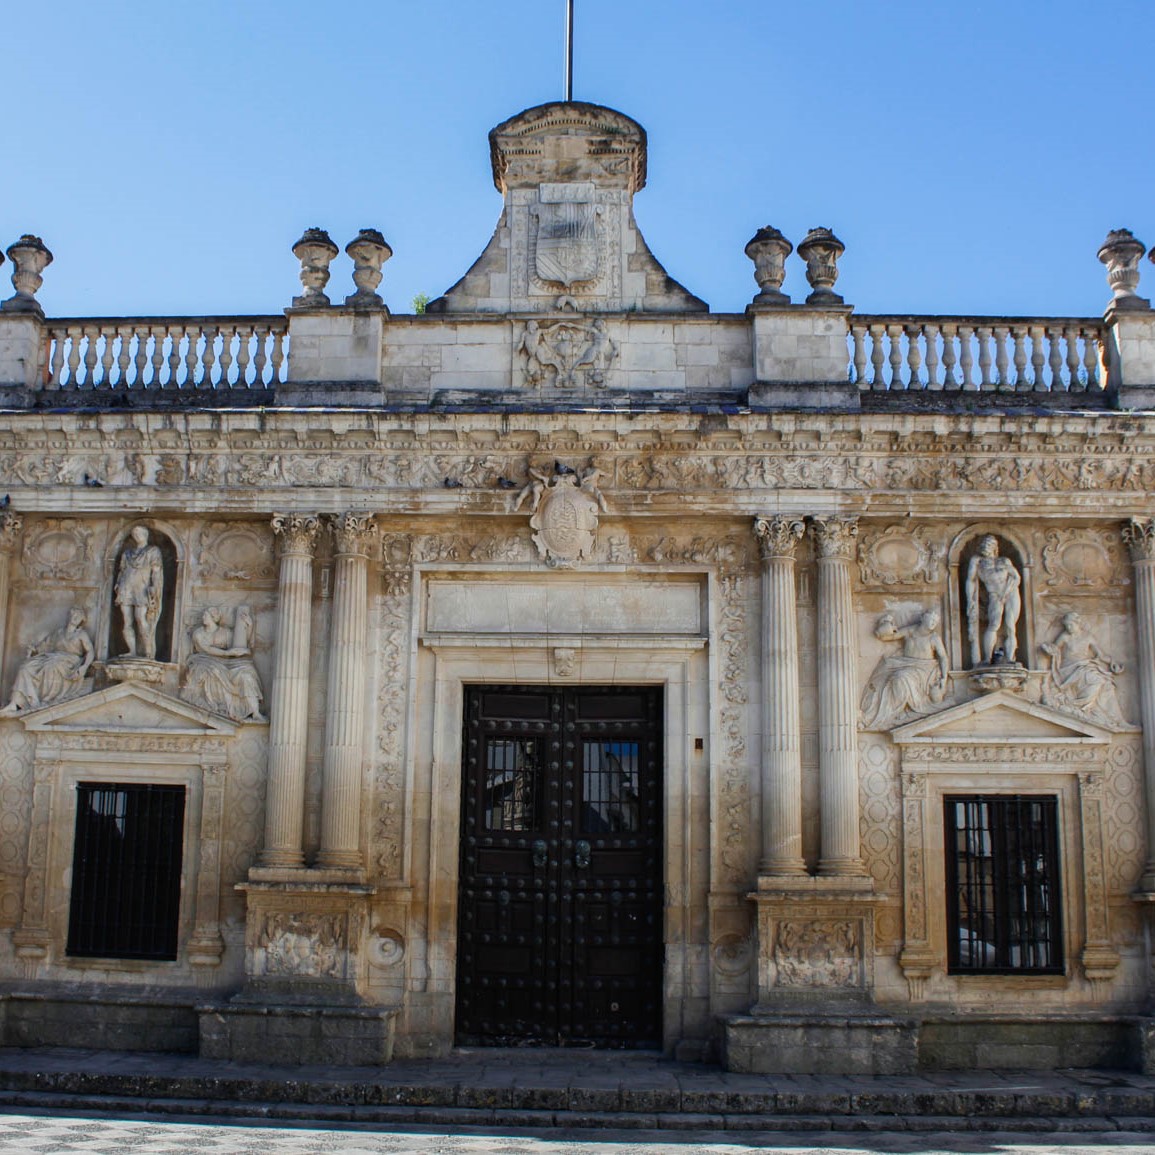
(166, 353)
(977, 354)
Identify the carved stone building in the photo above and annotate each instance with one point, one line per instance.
(572, 664)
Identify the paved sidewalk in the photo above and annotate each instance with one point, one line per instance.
(575, 1089)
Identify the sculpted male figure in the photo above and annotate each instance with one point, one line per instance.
(139, 589)
(1000, 580)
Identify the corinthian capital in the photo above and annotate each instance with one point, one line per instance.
(778, 536)
(835, 536)
(297, 532)
(353, 533)
(1139, 534)
(10, 526)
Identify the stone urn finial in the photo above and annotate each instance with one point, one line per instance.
(820, 249)
(369, 251)
(1121, 253)
(768, 249)
(30, 257)
(315, 250)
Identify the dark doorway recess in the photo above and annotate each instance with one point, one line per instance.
(560, 901)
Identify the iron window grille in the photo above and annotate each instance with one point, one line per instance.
(1003, 896)
(126, 871)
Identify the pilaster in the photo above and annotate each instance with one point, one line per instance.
(781, 732)
(835, 539)
(1139, 533)
(288, 722)
(354, 537)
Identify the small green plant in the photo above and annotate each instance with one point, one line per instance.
(419, 302)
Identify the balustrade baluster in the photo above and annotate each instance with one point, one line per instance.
(914, 356)
(245, 334)
(931, 333)
(75, 336)
(192, 352)
(280, 348)
(174, 333)
(125, 333)
(984, 338)
(1038, 358)
(966, 358)
(261, 356)
(894, 332)
(225, 361)
(56, 358)
(107, 356)
(1091, 357)
(1055, 358)
(949, 356)
(91, 354)
(859, 356)
(1019, 337)
(877, 356)
(140, 360)
(157, 360)
(1071, 336)
(204, 378)
(1002, 361)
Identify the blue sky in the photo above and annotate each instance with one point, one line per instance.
(971, 155)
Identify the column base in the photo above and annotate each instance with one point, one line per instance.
(280, 860)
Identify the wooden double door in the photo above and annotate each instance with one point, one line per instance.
(560, 935)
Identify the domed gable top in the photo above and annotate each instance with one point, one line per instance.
(568, 141)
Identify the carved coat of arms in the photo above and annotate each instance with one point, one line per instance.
(567, 353)
(564, 517)
(566, 244)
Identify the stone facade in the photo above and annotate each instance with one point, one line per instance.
(876, 565)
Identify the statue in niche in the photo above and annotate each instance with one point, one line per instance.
(55, 667)
(996, 577)
(910, 682)
(220, 675)
(139, 593)
(1081, 677)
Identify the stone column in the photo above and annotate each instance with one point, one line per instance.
(834, 539)
(354, 536)
(781, 738)
(1139, 534)
(10, 527)
(289, 701)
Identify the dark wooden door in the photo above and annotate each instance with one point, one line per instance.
(560, 897)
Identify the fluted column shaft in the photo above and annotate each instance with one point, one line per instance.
(834, 538)
(1140, 536)
(781, 729)
(289, 706)
(354, 536)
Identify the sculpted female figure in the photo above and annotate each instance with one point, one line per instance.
(139, 589)
(55, 668)
(907, 682)
(1082, 677)
(220, 675)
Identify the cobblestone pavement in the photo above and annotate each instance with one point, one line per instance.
(63, 1135)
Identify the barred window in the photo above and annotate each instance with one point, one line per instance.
(126, 871)
(1002, 871)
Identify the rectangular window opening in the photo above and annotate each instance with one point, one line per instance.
(126, 871)
(1002, 872)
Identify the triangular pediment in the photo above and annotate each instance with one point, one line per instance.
(128, 708)
(1001, 717)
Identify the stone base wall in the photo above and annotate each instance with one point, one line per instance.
(107, 1022)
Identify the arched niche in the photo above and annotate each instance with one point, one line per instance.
(965, 547)
(165, 544)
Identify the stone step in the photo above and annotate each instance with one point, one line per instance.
(574, 1090)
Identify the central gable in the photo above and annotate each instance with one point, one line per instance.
(128, 708)
(1000, 718)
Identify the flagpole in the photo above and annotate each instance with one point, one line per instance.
(569, 50)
